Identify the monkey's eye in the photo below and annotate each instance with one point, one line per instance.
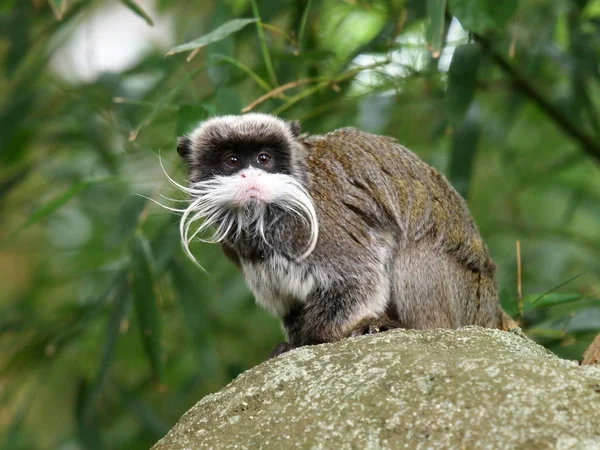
(232, 160)
(264, 158)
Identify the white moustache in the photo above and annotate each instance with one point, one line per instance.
(232, 205)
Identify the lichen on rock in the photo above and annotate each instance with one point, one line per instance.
(467, 388)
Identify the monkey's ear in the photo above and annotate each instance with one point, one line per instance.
(295, 128)
(184, 146)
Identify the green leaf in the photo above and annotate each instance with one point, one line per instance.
(464, 149)
(138, 10)
(150, 419)
(126, 220)
(166, 100)
(164, 245)
(244, 68)
(546, 333)
(436, 11)
(19, 34)
(501, 11)
(462, 78)
(263, 44)
(8, 182)
(216, 35)
(189, 115)
(59, 7)
(88, 433)
(122, 299)
(555, 298)
(142, 283)
(192, 293)
(591, 10)
(537, 300)
(15, 429)
(50, 207)
(479, 16)
(303, 24)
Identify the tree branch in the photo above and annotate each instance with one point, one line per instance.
(588, 143)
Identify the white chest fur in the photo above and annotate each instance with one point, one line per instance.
(278, 283)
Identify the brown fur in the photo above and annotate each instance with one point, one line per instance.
(366, 186)
(592, 354)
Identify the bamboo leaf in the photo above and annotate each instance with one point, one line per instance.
(436, 12)
(234, 62)
(8, 182)
(59, 7)
(501, 12)
(121, 303)
(263, 44)
(15, 429)
(145, 302)
(49, 208)
(189, 115)
(464, 149)
(546, 299)
(591, 10)
(88, 434)
(480, 16)
(462, 78)
(150, 421)
(216, 35)
(189, 295)
(126, 220)
(138, 10)
(555, 298)
(303, 24)
(166, 100)
(164, 245)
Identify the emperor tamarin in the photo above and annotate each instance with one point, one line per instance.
(342, 234)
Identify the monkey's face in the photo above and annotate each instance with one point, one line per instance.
(241, 172)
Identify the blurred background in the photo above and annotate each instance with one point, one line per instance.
(107, 333)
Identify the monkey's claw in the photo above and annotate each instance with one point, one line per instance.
(281, 348)
(372, 325)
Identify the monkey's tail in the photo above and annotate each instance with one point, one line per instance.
(592, 354)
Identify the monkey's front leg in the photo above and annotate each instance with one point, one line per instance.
(283, 347)
(331, 315)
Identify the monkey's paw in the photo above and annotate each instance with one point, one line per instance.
(372, 325)
(282, 348)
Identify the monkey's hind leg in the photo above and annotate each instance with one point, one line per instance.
(281, 348)
(373, 325)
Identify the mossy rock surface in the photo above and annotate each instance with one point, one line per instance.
(471, 388)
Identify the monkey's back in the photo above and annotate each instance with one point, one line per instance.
(388, 187)
(440, 271)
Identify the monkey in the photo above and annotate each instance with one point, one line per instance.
(339, 235)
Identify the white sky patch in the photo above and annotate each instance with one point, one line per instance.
(456, 36)
(111, 38)
(411, 56)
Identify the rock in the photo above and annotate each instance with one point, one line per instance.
(468, 388)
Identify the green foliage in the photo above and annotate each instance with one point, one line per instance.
(108, 333)
(216, 35)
